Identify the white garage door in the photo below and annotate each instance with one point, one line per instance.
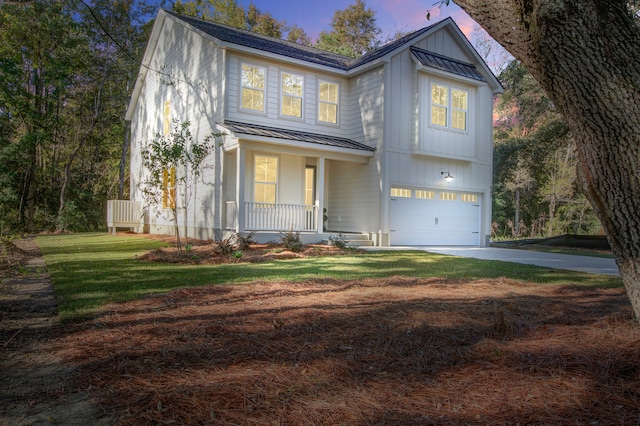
(433, 217)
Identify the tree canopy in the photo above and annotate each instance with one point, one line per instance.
(231, 13)
(354, 31)
(65, 89)
(535, 192)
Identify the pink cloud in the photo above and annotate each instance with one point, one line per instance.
(408, 15)
(464, 21)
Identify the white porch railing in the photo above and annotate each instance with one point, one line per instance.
(124, 214)
(274, 217)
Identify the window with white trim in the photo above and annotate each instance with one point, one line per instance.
(292, 87)
(310, 185)
(449, 107)
(401, 192)
(265, 185)
(253, 87)
(328, 102)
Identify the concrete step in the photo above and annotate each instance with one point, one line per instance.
(353, 240)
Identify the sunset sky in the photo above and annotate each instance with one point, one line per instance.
(392, 15)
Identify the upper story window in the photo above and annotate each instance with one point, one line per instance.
(449, 107)
(328, 102)
(292, 89)
(253, 87)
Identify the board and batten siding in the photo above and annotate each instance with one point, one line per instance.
(418, 152)
(194, 85)
(443, 42)
(353, 198)
(435, 140)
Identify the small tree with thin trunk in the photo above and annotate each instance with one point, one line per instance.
(173, 164)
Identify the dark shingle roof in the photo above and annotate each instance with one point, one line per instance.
(268, 44)
(310, 54)
(293, 135)
(443, 63)
(278, 46)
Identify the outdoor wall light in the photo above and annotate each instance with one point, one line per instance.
(447, 177)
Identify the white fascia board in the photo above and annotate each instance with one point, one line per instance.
(493, 80)
(371, 65)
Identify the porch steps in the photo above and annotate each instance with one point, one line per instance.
(353, 240)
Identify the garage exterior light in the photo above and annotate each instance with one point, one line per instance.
(447, 177)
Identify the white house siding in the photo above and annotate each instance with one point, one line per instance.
(194, 84)
(272, 117)
(354, 191)
(417, 153)
(445, 142)
(385, 107)
(444, 43)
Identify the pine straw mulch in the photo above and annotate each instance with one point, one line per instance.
(203, 252)
(397, 351)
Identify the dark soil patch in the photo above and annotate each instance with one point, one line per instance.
(36, 383)
(204, 252)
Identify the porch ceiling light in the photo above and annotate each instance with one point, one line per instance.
(447, 177)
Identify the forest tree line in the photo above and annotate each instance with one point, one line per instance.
(68, 69)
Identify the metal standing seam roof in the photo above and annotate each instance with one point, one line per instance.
(443, 63)
(294, 135)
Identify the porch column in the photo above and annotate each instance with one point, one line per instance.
(320, 195)
(240, 157)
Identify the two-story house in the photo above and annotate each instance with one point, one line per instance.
(395, 145)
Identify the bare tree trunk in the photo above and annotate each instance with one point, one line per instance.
(61, 223)
(517, 222)
(584, 55)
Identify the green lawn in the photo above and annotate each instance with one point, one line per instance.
(91, 270)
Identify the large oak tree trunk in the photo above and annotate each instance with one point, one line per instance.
(584, 53)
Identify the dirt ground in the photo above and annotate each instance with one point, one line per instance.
(398, 351)
(36, 382)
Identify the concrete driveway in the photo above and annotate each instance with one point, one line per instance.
(592, 265)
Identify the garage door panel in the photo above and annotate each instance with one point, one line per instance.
(415, 221)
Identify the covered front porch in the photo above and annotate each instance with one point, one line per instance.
(273, 217)
(275, 180)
